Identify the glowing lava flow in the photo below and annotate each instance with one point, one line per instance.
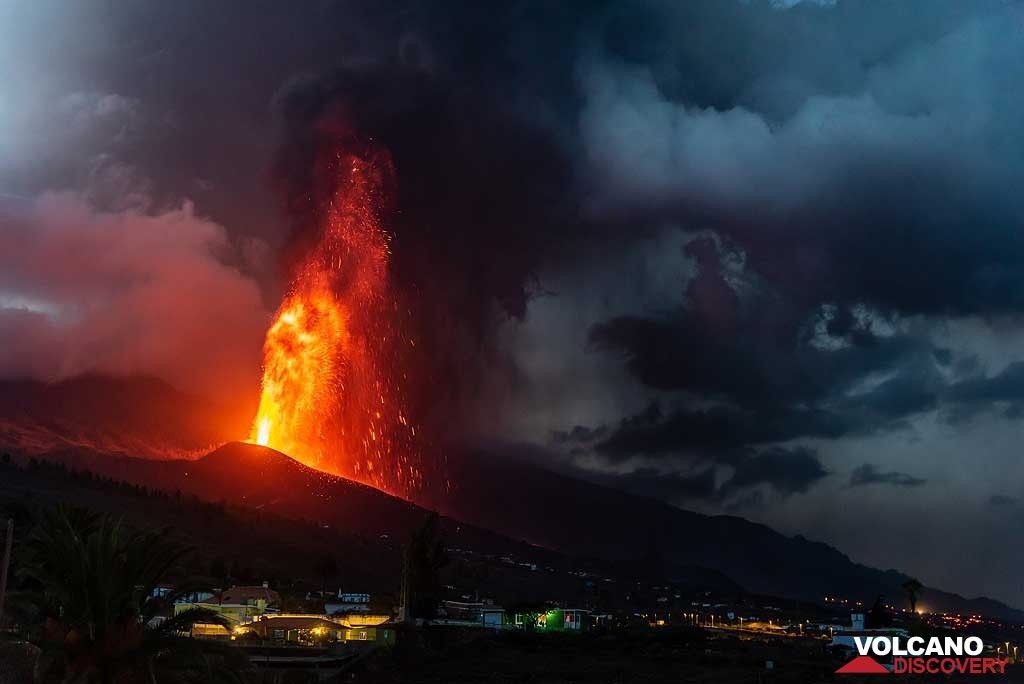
(328, 396)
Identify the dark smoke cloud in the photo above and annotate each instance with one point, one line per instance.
(789, 471)
(856, 158)
(228, 108)
(479, 205)
(796, 137)
(869, 474)
(730, 479)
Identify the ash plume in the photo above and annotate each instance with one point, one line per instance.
(87, 291)
(463, 256)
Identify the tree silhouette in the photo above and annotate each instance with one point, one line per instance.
(218, 569)
(327, 569)
(95, 581)
(878, 617)
(652, 565)
(912, 589)
(424, 557)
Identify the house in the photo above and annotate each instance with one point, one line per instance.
(555, 620)
(249, 596)
(319, 629)
(348, 603)
(472, 614)
(843, 637)
(493, 617)
(195, 597)
(239, 605)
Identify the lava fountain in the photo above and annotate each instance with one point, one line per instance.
(331, 390)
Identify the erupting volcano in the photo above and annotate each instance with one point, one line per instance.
(330, 392)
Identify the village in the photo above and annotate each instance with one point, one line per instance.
(341, 628)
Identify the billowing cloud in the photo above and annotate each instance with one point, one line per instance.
(853, 180)
(83, 290)
(869, 474)
(788, 471)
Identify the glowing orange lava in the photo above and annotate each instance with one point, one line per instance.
(329, 398)
(303, 354)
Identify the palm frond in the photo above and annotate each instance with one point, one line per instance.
(98, 577)
(183, 621)
(152, 605)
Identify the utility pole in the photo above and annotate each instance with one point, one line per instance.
(8, 541)
(403, 601)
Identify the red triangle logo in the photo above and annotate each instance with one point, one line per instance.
(862, 665)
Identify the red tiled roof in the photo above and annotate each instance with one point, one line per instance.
(245, 595)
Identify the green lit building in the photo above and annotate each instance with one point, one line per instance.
(554, 620)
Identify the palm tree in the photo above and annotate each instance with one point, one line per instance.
(912, 588)
(95, 579)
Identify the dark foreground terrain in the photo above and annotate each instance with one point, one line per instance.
(438, 655)
(681, 656)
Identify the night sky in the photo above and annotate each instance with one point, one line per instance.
(756, 258)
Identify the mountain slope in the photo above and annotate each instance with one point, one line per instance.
(269, 482)
(508, 501)
(526, 501)
(94, 421)
(139, 416)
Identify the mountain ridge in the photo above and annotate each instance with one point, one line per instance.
(755, 555)
(514, 499)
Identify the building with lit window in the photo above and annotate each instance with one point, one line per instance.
(471, 614)
(320, 629)
(555, 620)
(238, 605)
